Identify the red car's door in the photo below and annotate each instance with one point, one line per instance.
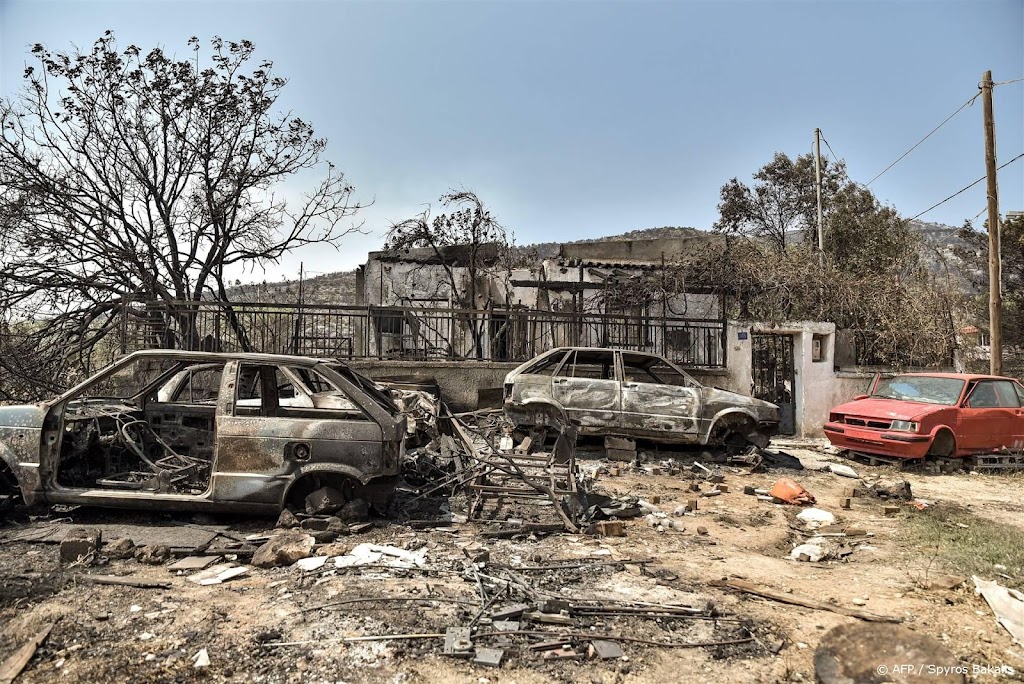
(990, 418)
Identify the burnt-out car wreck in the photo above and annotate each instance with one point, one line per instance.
(637, 395)
(200, 431)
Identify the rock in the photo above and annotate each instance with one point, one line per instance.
(333, 550)
(702, 530)
(355, 511)
(80, 544)
(155, 554)
(283, 549)
(287, 520)
(870, 653)
(119, 549)
(324, 501)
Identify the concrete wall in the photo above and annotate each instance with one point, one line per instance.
(817, 387)
(459, 380)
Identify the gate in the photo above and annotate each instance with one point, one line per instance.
(771, 366)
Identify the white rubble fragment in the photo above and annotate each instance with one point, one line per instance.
(390, 556)
(1007, 604)
(842, 470)
(310, 563)
(201, 660)
(815, 518)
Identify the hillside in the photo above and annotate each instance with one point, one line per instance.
(339, 288)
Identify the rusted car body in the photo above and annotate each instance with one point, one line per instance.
(184, 430)
(914, 415)
(635, 394)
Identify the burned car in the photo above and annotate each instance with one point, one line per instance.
(200, 431)
(635, 394)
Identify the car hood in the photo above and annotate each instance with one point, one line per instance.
(27, 416)
(720, 398)
(890, 409)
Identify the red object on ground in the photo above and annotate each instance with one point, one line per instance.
(791, 492)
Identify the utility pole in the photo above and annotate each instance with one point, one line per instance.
(817, 185)
(995, 301)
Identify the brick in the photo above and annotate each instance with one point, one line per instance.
(79, 543)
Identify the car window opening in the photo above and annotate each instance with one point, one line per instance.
(160, 441)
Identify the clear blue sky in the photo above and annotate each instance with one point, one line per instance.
(581, 119)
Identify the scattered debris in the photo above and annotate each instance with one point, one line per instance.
(124, 581)
(282, 549)
(1007, 604)
(80, 545)
(201, 659)
(796, 600)
(788, 491)
(156, 554)
(193, 563)
(12, 667)
(842, 470)
(218, 574)
(814, 518)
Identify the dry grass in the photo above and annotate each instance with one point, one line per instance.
(969, 544)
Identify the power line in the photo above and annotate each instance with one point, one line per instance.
(834, 155)
(961, 108)
(1016, 80)
(967, 188)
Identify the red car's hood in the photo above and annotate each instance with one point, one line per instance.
(890, 409)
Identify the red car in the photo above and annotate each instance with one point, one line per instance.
(932, 414)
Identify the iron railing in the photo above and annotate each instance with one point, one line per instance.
(413, 333)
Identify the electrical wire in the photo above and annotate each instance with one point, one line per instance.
(966, 188)
(1016, 80)
(834, 155)
(960, 109)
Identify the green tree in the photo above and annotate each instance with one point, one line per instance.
(973, 253)
(782, 203)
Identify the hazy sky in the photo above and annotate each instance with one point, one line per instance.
(581, 119)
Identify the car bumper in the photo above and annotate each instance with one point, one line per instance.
(887, 443)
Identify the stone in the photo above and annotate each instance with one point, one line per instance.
(619, 443)
(355, 511)
(287, 520)
(702, 531)
(155, 554)
(283, 549)
(870, 652)
(323, 501)
(607, 528)
(846, 502)
(80, 544)
(119, 549)
(619, 455)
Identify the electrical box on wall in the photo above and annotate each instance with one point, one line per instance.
(818, 347)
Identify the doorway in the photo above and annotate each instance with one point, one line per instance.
(772, 370)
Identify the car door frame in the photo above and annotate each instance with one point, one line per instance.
(653, 422)
(259, 456)
(601, 416)
(971, 439)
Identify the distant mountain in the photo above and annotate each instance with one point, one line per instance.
(340, 287)
(330, 288)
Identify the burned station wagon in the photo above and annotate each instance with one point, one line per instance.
(205, 431)
(635, 394)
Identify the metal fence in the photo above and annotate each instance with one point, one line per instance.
(413, 333)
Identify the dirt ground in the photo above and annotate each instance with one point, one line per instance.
(126, 634)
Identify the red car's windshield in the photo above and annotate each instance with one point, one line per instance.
(922, 388)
